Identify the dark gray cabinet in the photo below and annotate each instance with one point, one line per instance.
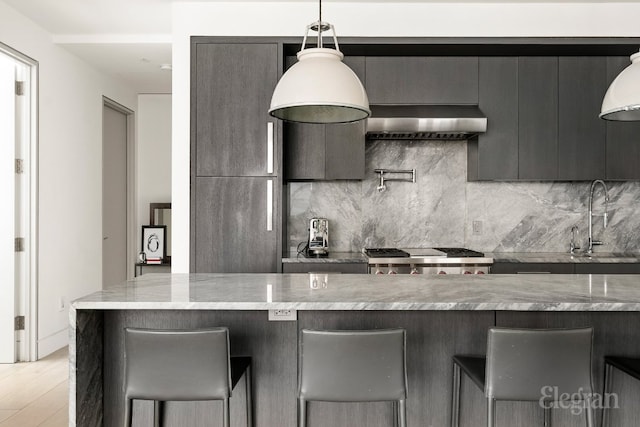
(235, 223)
(329, 267)
(422, 80)
(623, 138)
(325, 152)
(608, 268)
(543, 121)
(581, 133)
(235, 232)
(494, 155)
(232, 90)
(531, 268)
(538, 118)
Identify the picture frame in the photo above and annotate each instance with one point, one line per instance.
(154, 243)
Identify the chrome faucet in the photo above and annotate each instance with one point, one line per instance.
(592, 242)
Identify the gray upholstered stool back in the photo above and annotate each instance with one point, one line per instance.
(523, 363)
(353, 366)
(168, 365)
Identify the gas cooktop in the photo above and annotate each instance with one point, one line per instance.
(443, 252)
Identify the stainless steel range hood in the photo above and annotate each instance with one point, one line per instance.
(425, 122)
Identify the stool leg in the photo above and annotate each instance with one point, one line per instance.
(157, 414)
(608, 370)
(128, 412)
(394, 413)
(547, 416)
(302, 412)
(491, 412)
(455, 399)
(249, 391)
(402, 413)
(225, 412)
(588, 406)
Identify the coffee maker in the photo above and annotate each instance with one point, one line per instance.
(318, 237)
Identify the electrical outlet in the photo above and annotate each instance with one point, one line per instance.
(283, 314)
(61, 304)
(476, 227)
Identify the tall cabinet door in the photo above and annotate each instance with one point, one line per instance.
(233, 87)
(581, 134)
(236, 225)
(538, 117)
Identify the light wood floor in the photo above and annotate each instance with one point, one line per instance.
(35, 393)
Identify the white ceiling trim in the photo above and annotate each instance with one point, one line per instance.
(111, 38)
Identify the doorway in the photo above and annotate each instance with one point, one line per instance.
(117, 193)
(18, 222)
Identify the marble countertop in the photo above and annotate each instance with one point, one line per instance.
(549, 292)
(523, 257)
(565, 257)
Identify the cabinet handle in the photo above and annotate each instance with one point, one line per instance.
(269, 147)
(269, 205)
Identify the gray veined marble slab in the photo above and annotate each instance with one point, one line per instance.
(547, 292)
(560, 257)
(333, 258)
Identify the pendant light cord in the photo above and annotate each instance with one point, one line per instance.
(320, 23)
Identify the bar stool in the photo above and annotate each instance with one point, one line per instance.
(353, 366)
(182, 365)
(527, 364)
(629, 366)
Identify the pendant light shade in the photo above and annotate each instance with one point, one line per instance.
(320, 88)
(622, 100)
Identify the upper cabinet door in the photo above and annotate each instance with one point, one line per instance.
(538, 118)
(623, 138)
(581, 133)
(422, 80)
(231, 94)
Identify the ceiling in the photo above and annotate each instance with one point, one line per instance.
(131, 39)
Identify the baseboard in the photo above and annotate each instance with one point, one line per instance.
(53, 342)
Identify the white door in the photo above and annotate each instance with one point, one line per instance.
(114, 196)
(7, 213)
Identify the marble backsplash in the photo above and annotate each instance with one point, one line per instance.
(441, 207)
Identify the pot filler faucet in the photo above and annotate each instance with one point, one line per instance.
(592, 242)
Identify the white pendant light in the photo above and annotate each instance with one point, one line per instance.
(320, 88)
(622, 100)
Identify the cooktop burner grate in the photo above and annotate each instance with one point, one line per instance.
(385, 253)
(460, 252)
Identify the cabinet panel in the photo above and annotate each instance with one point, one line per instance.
(315, 267)
(538, 122)
(319, 152)
(233, 88)
(304, 155)
(230, 233)
(422, 80)
(497, 149)
(623, 138)
(344, 157)
(581, 133)
(531, 267)
(608, 268)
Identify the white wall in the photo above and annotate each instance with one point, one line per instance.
(362, 19)
(153, 169)
(70, 172)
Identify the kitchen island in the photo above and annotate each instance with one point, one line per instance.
(443, 315)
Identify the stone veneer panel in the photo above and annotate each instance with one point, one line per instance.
(439, 209)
